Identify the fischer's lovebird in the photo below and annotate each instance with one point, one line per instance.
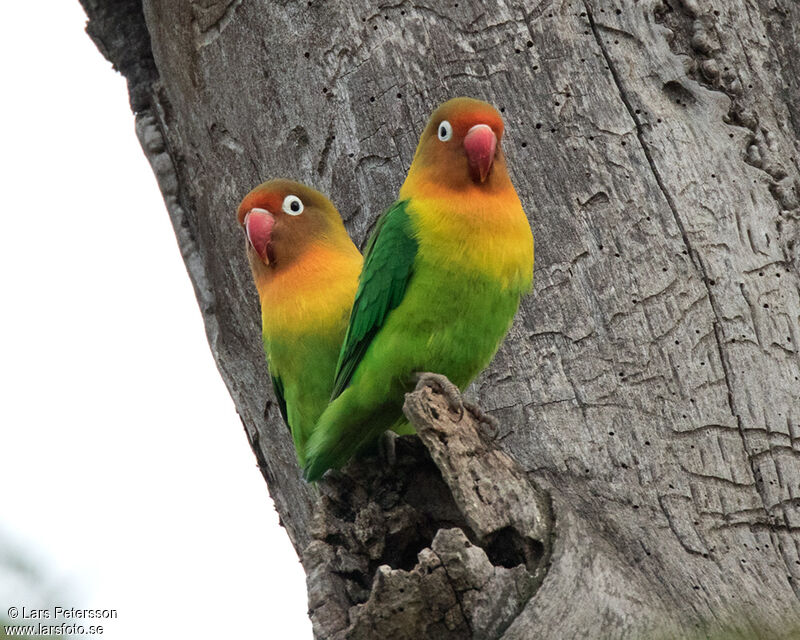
(305, 268)
(444, 271)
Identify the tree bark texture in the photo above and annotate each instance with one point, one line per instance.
(647, 397)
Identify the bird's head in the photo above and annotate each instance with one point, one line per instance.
(282, 219)
(460, 146)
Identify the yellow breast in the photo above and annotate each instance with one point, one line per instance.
(315, 293)
(476, 231)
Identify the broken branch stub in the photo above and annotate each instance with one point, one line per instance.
(501, 506)
(449, 542)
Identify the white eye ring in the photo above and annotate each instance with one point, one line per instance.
(293, 205)
(445, 131)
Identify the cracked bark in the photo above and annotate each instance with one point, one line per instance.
(648, 391)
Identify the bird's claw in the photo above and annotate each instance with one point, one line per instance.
(484, 418)
(386, 448)
(446, 388)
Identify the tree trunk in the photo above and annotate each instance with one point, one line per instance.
(649, 391)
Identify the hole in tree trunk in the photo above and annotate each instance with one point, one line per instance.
(507, 548)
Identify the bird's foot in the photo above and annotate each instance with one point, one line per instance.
(446, 388)
(386, 448)
(484, 418)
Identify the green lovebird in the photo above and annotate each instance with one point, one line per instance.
(443, 275)
(305, 268)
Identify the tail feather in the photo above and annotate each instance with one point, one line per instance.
(346, 427)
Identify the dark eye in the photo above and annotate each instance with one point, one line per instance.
(445, 131)
(293, 205)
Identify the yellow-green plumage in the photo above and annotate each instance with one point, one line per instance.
(306, 275)
(443, 276)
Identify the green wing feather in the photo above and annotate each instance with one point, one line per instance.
(277, 385)
(388, 262)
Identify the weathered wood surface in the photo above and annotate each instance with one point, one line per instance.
(651, 382)
(443, 547)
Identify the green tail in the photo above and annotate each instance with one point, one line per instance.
(347, 427)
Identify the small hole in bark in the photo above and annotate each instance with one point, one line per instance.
(677, 92)
(506, 548)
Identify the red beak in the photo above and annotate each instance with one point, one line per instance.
(258, 224)
(480, 143)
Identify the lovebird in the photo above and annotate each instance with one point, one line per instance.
(444, 272)
(306, 269)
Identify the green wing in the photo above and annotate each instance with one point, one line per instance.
(277, 385)
(388, 262)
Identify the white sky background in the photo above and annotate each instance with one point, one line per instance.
(123, 464)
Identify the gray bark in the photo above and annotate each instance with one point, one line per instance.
(649, 390)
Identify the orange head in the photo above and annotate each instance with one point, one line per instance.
(283, 219)
(460, 146)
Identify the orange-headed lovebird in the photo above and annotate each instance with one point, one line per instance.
(305, 268)
(443, 275)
